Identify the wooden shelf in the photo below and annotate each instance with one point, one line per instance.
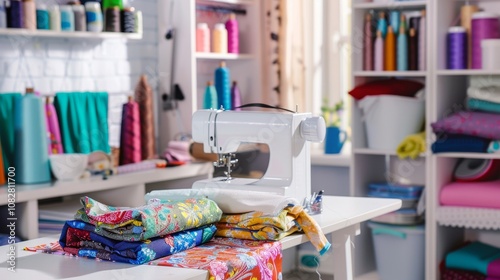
(467, 72)
(224, 56)
(390, 73)
(75, 34)
(469, 155)
(391, 5)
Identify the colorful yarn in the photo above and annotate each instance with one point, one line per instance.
(15, 16)
(368, 44)
(31, 155)
(223, 86)
(233, 43)
(402, 51)
(484, 26)
(378, 53)
(42, 18)
(390, 50)
(144, 97)
(235, 97)
(210, 97)
(130, 138)
(457, 48)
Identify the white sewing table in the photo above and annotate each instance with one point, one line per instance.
(341, 218)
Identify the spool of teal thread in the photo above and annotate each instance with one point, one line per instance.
(31, 154)
(210, 97)
(402, 50)
(42, 17)
(223, 86)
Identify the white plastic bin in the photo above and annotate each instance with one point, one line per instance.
(491, 54)
(399, 251)
(389, 119)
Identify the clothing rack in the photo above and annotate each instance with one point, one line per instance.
(221, 9)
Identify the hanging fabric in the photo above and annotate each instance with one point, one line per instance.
(55, 143)
(130, 138)
(83, 121)
(7, 114)
(144, 97)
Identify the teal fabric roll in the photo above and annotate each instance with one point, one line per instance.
(7, 101)
(31, 154)
(83, 121)
(476, 256)
(483, 105)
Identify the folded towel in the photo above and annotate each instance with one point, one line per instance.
(460, 143)
(230, 201)
(79, 238)
(475, 256)
(148, 221)
(482, 105)
(412, 146)
(489, 93)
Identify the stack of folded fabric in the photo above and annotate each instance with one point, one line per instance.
(142, 234)
(474, 261)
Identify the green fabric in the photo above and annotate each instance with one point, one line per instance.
(7, 101)
(83, 121)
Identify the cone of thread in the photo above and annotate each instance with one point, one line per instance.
(144, 99)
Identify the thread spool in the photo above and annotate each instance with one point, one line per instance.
(223, 86)
(390, 50)
(67, 18)
(55, 18)
(413, 50)
(382, 24)
(128, 20)
(3, 15)
(31, 155)
(79, 15)
(210, 100)
(422, 42)
(42, 17)
(130, 139)
(235, 97)
(466, 13)
(144, 97)
(368, 43)
(402, 52)
(394, 17)
(94, 16)
(219, 39)
(484, 26)
(138, 22)
(15, 15)
(233, 42)
(202, 37)
(29, 14)
(378, 53)
(457, 48)
(112, 19)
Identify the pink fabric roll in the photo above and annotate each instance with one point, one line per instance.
(130, 138)
(55, 143)
(473, 194)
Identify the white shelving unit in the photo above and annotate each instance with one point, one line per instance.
(448, 95)
(371, 165)
(193, 69)
(119, 190)
(76, 34)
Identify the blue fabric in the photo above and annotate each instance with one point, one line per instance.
(80, 237)
(460, 143)
(474, 257)
(483, 105)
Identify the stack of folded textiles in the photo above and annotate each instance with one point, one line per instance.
(476, 260)
(142, 234)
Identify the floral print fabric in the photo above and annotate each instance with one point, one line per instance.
(148, 221)
(229, 258)
(78, 238)
(255, 225)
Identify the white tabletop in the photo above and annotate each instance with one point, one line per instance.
(338, 213)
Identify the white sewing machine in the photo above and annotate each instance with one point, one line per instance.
(286, 134)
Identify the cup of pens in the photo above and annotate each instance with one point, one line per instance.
(314, 203)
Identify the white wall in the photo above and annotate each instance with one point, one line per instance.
(62, 64)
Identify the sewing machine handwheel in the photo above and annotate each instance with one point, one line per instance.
(313, 129)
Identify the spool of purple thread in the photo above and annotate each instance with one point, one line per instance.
(15, 16)
(457, 48)
(484, 26)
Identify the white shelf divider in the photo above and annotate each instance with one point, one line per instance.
(75, 34)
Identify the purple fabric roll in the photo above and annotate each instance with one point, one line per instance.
(482, 28)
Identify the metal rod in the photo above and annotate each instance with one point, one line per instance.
(220, 9)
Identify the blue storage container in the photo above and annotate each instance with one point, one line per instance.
(409, 194)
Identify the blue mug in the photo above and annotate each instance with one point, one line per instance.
(334, 140)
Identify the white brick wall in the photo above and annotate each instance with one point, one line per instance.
(60, 64)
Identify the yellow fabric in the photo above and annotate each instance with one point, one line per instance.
(412, 146)
(256, 226)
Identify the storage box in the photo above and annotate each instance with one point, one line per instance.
(399, 251)
(490, 54)
(389, 119)
(408, 194)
